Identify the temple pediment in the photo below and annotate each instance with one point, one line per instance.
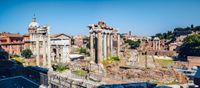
(60, 36)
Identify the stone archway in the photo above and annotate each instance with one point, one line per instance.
(55, 52)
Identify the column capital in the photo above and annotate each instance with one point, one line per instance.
(108, 33)
(99, 31)
(111, 33)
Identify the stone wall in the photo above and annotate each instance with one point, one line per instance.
(60, 80)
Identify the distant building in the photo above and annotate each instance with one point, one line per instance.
(193, 61)
(175, 46)
(26, 41)
(78, 40)
(11, 43)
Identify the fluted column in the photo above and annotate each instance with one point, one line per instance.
(104, 46)
(153, 45)
(49, 51)
(111, 44)
(91, 45)
(67, 54)
(108, 45)
(158, 44)
(44, 52)
(37, 53)
(99, 35)
(118, 44)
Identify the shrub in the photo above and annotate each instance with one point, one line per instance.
(15, 55)
(84, 51)
(115, 58)
(60, 68)
(27, 53)
(133, 44)
(111, 60)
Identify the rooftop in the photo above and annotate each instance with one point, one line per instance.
(17, 82)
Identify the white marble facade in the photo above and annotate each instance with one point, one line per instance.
(48, 47)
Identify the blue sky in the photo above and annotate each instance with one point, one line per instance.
(142, 17)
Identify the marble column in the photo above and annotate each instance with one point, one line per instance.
(57, 55)
(108, 45)
(111, 44)
(104, 46)
(153, 44)
(64, 58)
(99, 35)
(37, 53)
(67, 54)
(49, 52)
(91, 45)
(44, 52)
(118, 44)
(158, 44)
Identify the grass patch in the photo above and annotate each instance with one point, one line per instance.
(166, 83)
(111, 60)
(18, 59)
(60, 68)
(164, 62)
(80, 72)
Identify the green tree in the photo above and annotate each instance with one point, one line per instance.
(84, 51)
(27, 53)
(190, 47)
(133, 44)
(192, 39)
(197, 28)
(167, 35)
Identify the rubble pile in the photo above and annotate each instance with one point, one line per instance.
(139, 74)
